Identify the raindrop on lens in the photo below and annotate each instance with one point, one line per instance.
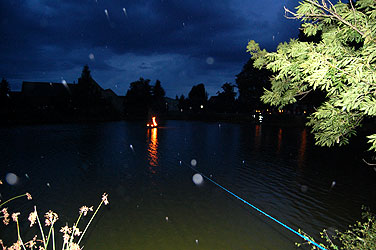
(193, 162)
(210, 60)
(197, 179)
(11, 178)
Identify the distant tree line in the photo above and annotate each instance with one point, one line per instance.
(144, 99)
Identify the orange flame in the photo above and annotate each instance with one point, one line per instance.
(153, 123)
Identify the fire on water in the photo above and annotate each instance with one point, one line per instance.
(153, 123)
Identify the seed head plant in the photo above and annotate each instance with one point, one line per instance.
(72, 236)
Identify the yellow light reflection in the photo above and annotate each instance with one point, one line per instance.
(153, 148)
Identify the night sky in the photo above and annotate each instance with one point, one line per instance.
(182, 43)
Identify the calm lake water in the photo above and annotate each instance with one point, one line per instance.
(154, 204)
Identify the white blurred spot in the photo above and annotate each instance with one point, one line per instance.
(63, 81)
(243, 161)
(116, 86)
(197, 179)
(180, 163)
(304, 188)
(196, 241)
(131, 146)
(166, 218)
(106, 12)
(27, 176)
(125, 12)
(11, 178)
(91, 56)
(273, 38)
(183, 24)
(51, 84)
(193, 162)
(41, 156)
(333, 184)
(48, 184)
(219, 125)
(210, 60)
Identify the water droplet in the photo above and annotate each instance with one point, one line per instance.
(193, 162)
(197, 179)
(210, 60)
(304, 188)
(11, 178)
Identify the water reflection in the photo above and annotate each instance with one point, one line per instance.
(153, 149)
(302, 148)
(279, 141)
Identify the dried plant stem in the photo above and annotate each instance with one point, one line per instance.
(88, 224)
(49, 234)
(19, 235)
(16, 197)
(41, 229)
(53, 238)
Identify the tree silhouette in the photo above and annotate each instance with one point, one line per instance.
(158, 101)
(225, 101)
(183, 103)
(198, 97)
(251, 83)
(138, 98)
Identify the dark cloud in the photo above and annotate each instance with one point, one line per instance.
(182, 43)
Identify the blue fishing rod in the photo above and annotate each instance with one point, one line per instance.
(254, 207)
